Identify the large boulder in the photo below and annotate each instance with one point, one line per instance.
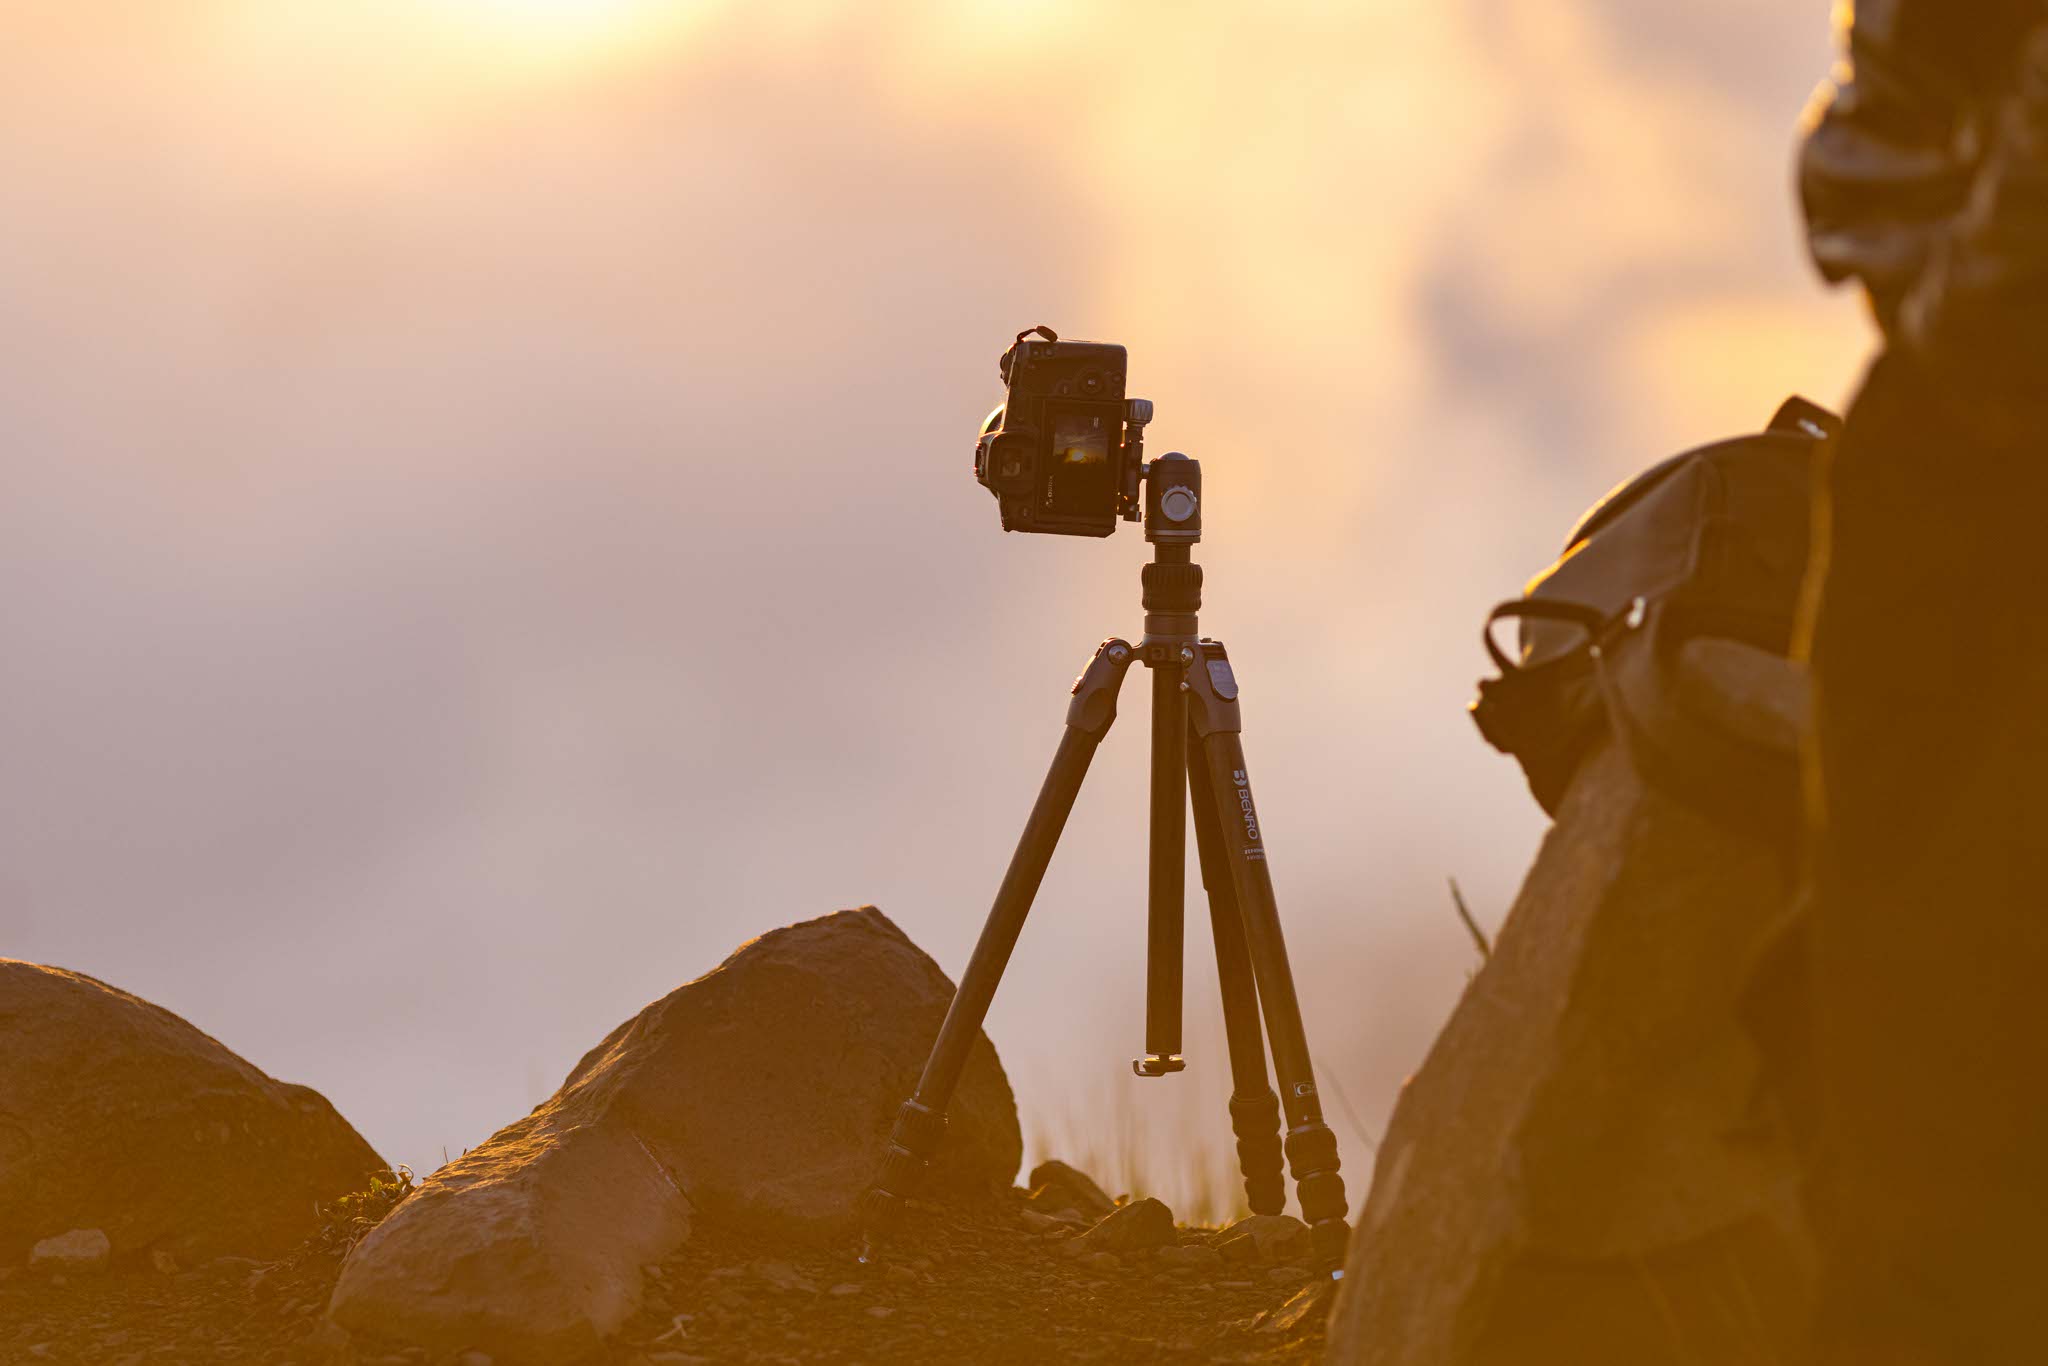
(758, 1096)
(117, 1116)
(1578, 1175)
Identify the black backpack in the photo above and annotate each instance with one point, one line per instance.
(1667, 623)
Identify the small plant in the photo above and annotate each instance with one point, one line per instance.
(349, 1220)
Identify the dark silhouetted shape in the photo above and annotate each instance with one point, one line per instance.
(1927, 181)
(1576, 1175)
(117, 1115)
(756, 1097)
(1196, 747)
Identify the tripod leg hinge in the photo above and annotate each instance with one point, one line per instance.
(1093, 709)
(1212, 692)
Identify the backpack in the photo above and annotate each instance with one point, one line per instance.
(1667, 623)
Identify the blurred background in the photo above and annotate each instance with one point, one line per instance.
(487, 519)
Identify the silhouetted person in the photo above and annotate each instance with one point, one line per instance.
(1927, 180)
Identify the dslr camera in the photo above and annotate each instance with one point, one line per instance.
(1064, 450)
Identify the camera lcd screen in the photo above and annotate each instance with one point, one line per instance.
(1080, 474)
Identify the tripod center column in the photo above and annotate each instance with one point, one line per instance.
(1173, 597)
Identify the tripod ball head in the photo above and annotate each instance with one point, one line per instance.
(1173, 500)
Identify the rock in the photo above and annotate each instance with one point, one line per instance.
(1286, 1275)
(1265, 1238)
(82, 1251)
(758, 1096)
(1241, 1251)
(1102, 1262)
(1055, 1186)
(1136, 1227)
(1193, 1257)
(783, 1276)
(844, 1288)
(1577, 1173)
(165, 1263)
(879, 1311)
(1038, 1223)
(117, 1115)
(1304, 1310)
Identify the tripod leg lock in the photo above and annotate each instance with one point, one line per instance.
(1255, 1119)
(912, 1142)
(1312, 1154)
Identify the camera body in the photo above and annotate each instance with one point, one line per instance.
(1063, 452)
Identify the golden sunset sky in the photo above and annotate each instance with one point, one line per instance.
(488, 523)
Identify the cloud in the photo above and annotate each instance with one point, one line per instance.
(484, 536)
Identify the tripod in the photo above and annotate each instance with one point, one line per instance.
(1196, 748)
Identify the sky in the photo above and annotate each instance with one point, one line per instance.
(488, 526)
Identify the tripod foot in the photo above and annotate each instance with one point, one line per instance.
(1312, 1153)
(1158, 1064)
(911, 1145)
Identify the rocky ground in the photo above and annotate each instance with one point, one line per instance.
(990, 1280)
(687, 1195)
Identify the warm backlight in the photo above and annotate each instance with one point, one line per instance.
(543, 31)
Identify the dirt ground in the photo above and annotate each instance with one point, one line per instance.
(959, 1284)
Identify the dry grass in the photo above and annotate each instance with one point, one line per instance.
(1180, 1151)
(1135, 1150)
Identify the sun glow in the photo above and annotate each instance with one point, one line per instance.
(542, 33)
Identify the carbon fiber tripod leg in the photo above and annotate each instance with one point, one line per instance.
(921, 1123)
(1311, 1146)
(1254, 1109)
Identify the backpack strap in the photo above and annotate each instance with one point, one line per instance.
(1803, 417)
(1592, 619)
